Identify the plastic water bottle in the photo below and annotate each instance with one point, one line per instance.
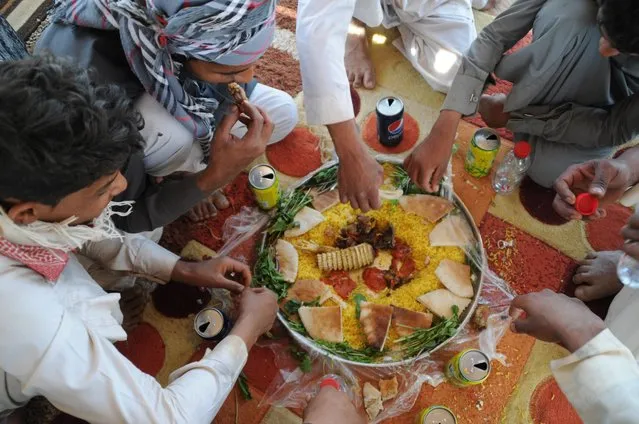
(337, 382)
(512, 169)
(628, 271)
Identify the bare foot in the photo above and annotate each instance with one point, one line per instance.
(359, 67)
(596, 276)
(208, 208)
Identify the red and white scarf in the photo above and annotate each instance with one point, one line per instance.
(44, 246)
(47, 262)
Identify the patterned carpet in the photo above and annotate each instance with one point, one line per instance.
(543, 255)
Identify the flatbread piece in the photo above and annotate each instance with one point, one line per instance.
(406, 321)
(305, 220)
(456, 277)
(375, 320)
(432, 208)
(452, 231)
(287, 260)
(440, 302)
(323, 322)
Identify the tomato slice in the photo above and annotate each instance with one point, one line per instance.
(407, 269)
(341, 282)
(401, 250)
(374, 279)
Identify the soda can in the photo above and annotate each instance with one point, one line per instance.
(212, 324)
(468, 368)
(436, 414)
(482, 152)
(390, 121)
(265, 186)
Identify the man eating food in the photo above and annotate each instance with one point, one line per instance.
(63, 141)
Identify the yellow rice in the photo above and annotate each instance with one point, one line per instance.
(409, 228)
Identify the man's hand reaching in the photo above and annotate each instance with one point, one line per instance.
(359, 176)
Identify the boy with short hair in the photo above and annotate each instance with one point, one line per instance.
(63, 141)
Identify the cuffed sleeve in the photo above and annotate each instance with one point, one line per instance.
(601, 380)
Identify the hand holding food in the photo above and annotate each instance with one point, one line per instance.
(257, 312)
(555, 317)
(231, 154)
(331, 406)
(427, 164)
(238, 93)
(214, 273)
(359, 179)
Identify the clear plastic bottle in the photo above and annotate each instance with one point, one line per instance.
(337, 382)
(628, 271)
(512, 169)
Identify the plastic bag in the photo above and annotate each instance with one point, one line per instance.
(242, 226)
(294, 388)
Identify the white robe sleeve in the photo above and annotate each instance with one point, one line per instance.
(601, 380)
(135, 253)
(322, 27)
(52, 353)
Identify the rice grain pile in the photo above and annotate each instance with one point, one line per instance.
(410, 229)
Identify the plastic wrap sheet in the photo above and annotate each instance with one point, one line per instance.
(294, 388)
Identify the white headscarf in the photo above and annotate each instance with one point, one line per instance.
(63, 235)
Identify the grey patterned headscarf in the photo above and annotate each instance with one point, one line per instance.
(154, 34)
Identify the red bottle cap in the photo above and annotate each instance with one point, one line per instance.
(586, 204)
(330, 382)
(522, 149)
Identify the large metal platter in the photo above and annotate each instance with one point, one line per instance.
(476, 270)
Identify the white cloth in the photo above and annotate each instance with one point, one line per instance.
(112, 280)
(56, 341)
(601, 380)
(623, 317)
(170, 147)
(434, 36)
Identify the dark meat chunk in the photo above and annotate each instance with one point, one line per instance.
(385, 240)
(365, 224)
(344, 240)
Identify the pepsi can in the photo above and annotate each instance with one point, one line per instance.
(390, 121)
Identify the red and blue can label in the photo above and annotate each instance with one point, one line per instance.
(390, 121)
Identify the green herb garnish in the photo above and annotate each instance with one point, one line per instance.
(242, 383)
(302, 357)
(358, 298)
(288, 206)
(366, 355)
(266, 274)
(298, 327)
(292, 306)
(323, 180)
(428, 338)
(402, 180)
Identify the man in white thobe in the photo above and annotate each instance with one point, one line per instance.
(600, 377)
(63, 143)
(434, 36)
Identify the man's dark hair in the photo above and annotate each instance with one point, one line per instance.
(60, 132)
(619, 21)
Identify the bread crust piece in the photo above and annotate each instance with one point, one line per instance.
(455, 277)
(432, 208)
(323, 322)
(237, 92)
